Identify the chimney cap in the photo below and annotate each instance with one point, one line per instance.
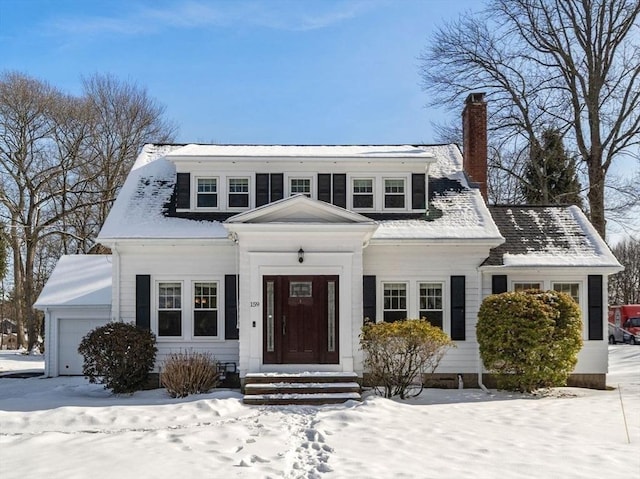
(475, 98)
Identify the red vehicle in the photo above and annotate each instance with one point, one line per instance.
(624, 324)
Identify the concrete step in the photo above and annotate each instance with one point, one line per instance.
(309, 388)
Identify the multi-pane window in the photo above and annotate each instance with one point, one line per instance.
(394, 301)
(430, 298)
(238, 192)
(205, 309)
(169, 309)
(207, 193)
(363, 193)
(394, 193)
(300, 186)
(572, 289)
(526, 286)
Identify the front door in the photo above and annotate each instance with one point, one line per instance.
(300, 319)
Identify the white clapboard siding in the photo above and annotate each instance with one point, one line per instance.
(425, 263)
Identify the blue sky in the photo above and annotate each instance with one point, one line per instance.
(299, 72)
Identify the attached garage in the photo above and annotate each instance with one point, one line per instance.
(70, 333)
(75, 300)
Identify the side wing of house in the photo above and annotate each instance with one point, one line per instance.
(556, 248)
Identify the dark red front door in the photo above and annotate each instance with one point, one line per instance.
(300, 319)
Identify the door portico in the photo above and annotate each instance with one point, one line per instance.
(297, 311)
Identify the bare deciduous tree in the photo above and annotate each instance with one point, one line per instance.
(571, 65)
(624, 287)
(62, 160)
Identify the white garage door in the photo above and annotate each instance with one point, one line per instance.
(70, 333)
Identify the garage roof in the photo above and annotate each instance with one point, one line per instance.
(78, 280)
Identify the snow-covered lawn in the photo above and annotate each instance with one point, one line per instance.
(68, 428)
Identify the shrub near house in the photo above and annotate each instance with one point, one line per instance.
(530, 339)
(398, 354)
(118, 355)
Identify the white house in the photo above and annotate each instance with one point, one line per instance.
(271, 257)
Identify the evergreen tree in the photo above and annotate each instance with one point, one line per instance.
(550, 177)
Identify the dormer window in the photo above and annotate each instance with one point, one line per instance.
(238, 192)
(207, 193)
(362, 192)
(300, 186)
(394, 193)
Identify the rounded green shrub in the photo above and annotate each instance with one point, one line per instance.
(529, 339)
(118, 355)
(398, 354)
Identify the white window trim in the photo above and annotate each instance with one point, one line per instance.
(194, 188)
(540, 283)
(384, 194)
(219, 292)
(443, 289)
(312, 185)
(352, 194)
(187, 287)
(155, 320)
(228, 192)
(408, 299)
(580, 289)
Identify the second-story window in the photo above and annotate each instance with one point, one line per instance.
(238, 192)
(363, 193)
(300, 186)
(207, 193)
(394, 193)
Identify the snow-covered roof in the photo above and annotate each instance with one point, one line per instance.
(548, 236)
(140, 211)
(300, 151)
(78, 280)
(456, 212)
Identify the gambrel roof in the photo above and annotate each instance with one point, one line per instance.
(547, 236)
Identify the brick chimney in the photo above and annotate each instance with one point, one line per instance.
(474, 140)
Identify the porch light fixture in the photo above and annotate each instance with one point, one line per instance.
(300, 255)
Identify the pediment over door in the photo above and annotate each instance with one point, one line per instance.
(302, 210)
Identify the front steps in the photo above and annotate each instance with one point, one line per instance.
(300, 388)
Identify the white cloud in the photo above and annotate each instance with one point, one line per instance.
(277, 15)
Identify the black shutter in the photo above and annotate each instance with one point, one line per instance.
(340, 190)
(277, 186)
(595, 307)
(458, 308)
(183, 190)
(143, 301)
(262, 189)
(369, 298)
(418, 190)
(324, 187)
(498, 283)
(230, 307)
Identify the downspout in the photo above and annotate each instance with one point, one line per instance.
(115, 307)
(480, 364)
(48, 328)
